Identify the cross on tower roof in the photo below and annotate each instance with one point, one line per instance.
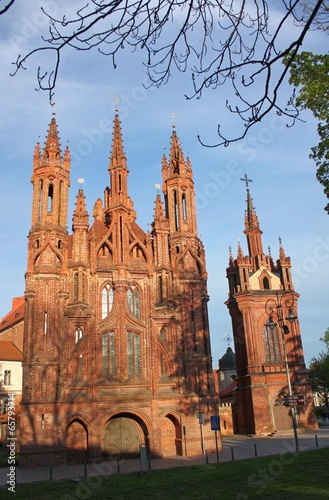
(228, 339)
(117, 101)
(173, 117)
(246, 180)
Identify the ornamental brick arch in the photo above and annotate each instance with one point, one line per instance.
(124, 432)
(281, 413)
(171, 434)
(77, 440)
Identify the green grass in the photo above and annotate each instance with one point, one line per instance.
(304, 476)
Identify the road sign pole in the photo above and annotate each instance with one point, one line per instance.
(216, 438)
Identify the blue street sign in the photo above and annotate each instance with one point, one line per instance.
(214, 422)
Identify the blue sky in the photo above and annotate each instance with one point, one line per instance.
(288, 199)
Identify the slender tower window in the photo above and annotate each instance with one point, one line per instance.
(266, 283)
(184, 207)
(176, 211)
(107, 300)
(76, 286)
(40, 202)
(134, 354)
(46, 323)
(134, 301)
(50, 198)
(79, 367)
(60, 200)
(78, 334)
(108, 354)
(271, 343)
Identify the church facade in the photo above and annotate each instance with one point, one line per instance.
(263, 304)
(116, 339)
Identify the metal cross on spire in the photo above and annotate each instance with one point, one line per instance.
(117, 101)
(246, 180)
(227, 339)
(173, 117)
(54, 104)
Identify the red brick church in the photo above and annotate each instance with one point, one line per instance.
(116, 337)
(268, 345)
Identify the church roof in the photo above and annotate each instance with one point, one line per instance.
(228, 361)
(9, 352)
(228, 391)
(15, 315)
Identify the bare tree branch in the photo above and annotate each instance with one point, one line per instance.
(4, 9)
(219, 41)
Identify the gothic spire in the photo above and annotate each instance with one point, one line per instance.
(52, 150)
(251, 219)
(176, 160)
(158, 209)
(117, 157)
(253, 231)
(80, 214)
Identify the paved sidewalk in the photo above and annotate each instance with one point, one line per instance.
(234, 448)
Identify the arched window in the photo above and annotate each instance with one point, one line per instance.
(271, 343)
(134, 301)
(108, 354)
(50, 198)
(134, 354)
(184, 208)
(107, 300)
(163, 366)
(78, 334)
(266, 283)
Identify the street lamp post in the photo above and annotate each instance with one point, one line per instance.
(285, 300)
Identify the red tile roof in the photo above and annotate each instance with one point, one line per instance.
(9, 352)
(15, 315)
(229, 390)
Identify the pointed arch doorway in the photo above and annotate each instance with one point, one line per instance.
(76, 442)
(282, 414)
(123, 435)
(171, 437)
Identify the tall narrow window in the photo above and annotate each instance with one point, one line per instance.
(107, 300)
(121, 238)
(45, 323)
(271, 344)
(83, 287)
(108, 354)
(184, 206)
(76, 286)
(176, 210)
(160, 294)
(105, 348)
(60, 201)
(266, 283)
(163, 367)
(78, 334)
(50, 198)
(134, 354)
(44, 383)
(134, 301)
(80, 367)
(40, 202)
(7, 377)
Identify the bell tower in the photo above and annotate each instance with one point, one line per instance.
(45, 294)
(255, 281)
